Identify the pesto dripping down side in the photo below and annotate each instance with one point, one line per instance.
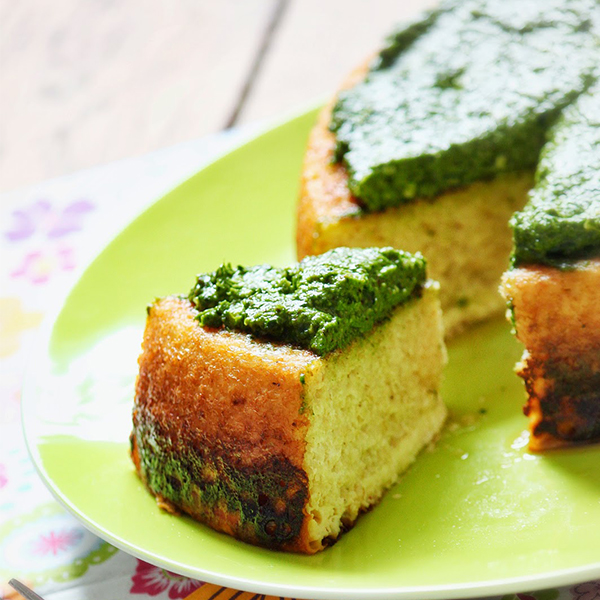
(322, 303)
(561, 221)
(467, 92)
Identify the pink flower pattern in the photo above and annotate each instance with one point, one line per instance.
(37, 266)
(3, 476)
(56, 542)
(586, 591)
(152, 581)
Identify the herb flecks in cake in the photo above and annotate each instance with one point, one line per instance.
(465, 95)
(321, 304)
(562, 218)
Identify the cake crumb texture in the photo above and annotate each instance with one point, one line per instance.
(372, 409)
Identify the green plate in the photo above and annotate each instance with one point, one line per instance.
(478, 515)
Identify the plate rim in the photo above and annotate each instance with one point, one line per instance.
(561, 578)
(492, 587)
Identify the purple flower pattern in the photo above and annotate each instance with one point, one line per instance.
(40, 217)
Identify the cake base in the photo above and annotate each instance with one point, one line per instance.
(556, 316)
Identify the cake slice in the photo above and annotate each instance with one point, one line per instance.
(553, 287)
(276, 405)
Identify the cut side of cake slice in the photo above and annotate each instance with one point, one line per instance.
(276, 405)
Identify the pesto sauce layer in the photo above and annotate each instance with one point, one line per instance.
(322, 303)
(561, 221)
(466, 93)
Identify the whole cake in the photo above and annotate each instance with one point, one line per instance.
(434, 147)
(276, 405)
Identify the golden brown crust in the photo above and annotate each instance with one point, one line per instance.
(557, 319)
(218, 427)
(324, 193)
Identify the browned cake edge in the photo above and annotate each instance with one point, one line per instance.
(218, 428)
(324, 192)
(557, 318)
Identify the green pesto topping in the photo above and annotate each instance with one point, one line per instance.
(464, 94)
(562, 218)
(322, 303)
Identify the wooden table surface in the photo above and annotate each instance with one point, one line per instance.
(84, 82)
